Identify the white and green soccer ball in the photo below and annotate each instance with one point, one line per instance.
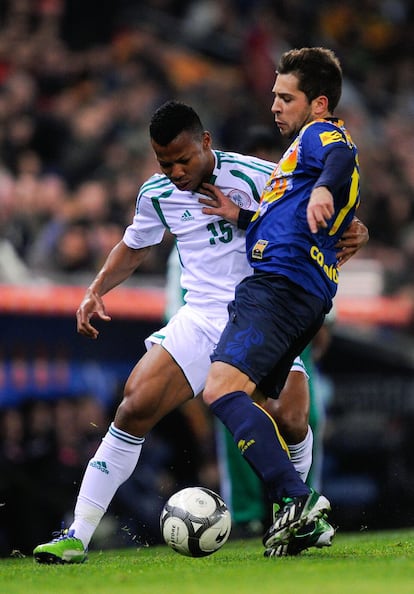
(195, 522)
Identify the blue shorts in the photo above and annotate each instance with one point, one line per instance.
(271, 320)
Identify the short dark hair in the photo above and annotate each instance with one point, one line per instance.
(172, 118)
(318, 70)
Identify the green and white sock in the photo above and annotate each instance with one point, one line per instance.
(113, 463)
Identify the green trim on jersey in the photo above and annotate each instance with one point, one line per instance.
(183, 291)
(154, 182)
(249, 181)
(223, 157)
(159, 184)
(158, 335)
(157, 207)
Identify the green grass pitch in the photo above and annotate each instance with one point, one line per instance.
(365, 563)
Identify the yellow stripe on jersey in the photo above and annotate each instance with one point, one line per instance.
(352, 200)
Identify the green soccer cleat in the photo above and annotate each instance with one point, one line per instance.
(292, 514)
(318, 533)
(65, 548)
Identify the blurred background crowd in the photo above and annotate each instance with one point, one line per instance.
(79, 81)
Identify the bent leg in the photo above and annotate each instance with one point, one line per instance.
(291, 414)
(155, 387)
(254, 431)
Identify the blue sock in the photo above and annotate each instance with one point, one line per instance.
(256, 436)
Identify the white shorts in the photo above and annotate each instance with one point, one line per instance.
(190, 338)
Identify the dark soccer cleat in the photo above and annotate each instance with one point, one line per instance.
(294, 513)
(318, 533)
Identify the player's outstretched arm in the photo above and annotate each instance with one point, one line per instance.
(119, 265)
(353, 239)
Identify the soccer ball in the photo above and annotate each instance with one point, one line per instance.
(195, 522)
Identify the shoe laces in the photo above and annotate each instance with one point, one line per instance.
(278, 507)
(62, 534)
(286, 502)
(287, 507)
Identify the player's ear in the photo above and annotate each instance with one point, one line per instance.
(320, 106)
(206, 139)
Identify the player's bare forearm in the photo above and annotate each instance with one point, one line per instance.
(218, 203)
(119, 265)
(353, 239)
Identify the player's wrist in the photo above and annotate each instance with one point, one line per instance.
(244, 218)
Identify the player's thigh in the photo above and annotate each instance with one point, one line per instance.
(156, 385)
(270, 322)
(258, 331)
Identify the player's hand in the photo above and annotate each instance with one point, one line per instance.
(353, 239)
(320, 209)
(218, 203)
(91, 305)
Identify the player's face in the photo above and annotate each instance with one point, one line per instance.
(187, 161)
(291, 107)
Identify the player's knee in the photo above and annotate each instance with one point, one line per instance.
(213, 388)
(225, 379)
(209, 395)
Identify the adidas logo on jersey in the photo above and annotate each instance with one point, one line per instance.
(187, 216)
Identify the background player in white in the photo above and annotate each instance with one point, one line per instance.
(174, 369)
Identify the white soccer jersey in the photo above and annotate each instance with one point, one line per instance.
(212, 251)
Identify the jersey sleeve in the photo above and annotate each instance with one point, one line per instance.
(327, 152)
(146, 228)
(339, 164)
(318, 140)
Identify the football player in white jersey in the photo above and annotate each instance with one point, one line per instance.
(174, 369)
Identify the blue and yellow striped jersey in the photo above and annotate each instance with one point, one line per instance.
(278, 239)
